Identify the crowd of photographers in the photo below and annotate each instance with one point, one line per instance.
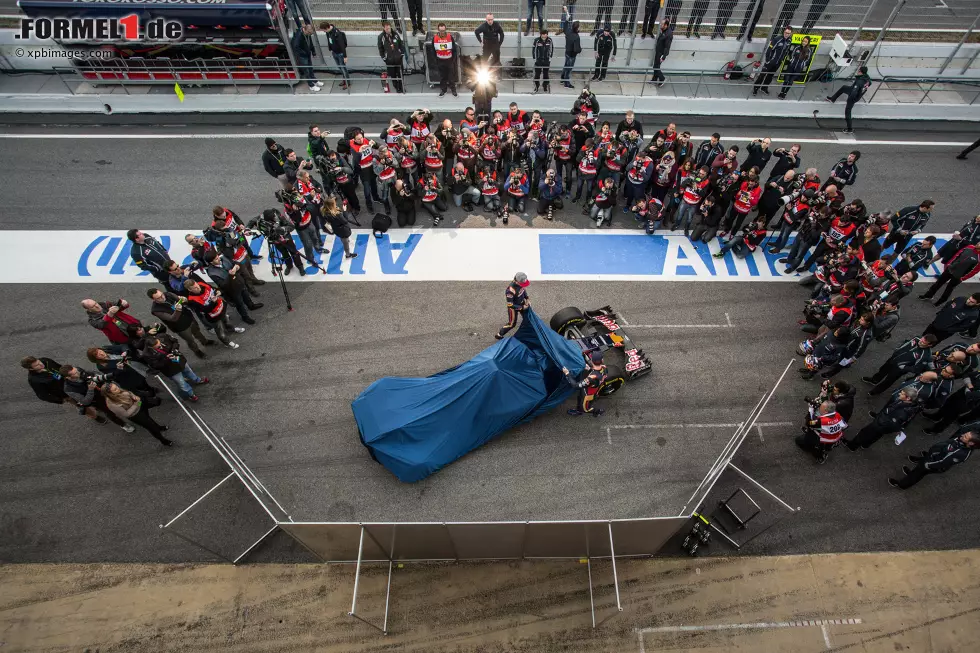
(191, 303)
(515, 161)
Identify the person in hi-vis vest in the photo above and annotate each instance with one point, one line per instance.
(445, 49)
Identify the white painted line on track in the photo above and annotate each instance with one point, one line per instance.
(759, 428)
(692, 426)
(680, 326)
(807, 623)
(802, 623)
(260, 136)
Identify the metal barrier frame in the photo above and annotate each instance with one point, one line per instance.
(590, 528)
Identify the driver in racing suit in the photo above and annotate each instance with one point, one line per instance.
(517, 302)
(588, 386)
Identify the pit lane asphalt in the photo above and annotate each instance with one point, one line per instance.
(74, 491)
(172, 183)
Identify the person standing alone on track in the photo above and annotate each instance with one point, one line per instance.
(517, 302)
(855, 92)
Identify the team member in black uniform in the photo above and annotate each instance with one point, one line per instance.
(517, 302)
(940, 458)
(910, 357)
(149, 254)
(589, 386)
(906, 223)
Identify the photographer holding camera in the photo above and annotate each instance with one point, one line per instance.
(85, 389)
(535, 153)
(432, 201)
(227, 275)
(386, 170)
(464, 193)
(297, 211)
(277, 228)
(447, 137)
(212, 310)
(113, 361)
(404, 201)
(516, 187)
(110, 318)
(549, 194)
(125, 404)
(172, 310)
(162, 353)
(340, 177)
(362, 160)
(227, 232)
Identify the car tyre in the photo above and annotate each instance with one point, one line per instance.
(567, 317)
(615, 378)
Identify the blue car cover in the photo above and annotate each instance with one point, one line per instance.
(415, 426)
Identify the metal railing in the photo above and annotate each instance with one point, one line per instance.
(939, 18)
(631, 82)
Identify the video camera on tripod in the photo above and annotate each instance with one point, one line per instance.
(271, 224)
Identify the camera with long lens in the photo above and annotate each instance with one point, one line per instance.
(98, 378)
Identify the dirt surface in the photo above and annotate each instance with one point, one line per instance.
(923, 602)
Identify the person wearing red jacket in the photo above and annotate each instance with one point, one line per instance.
(110, 318)
(964, 265)
(745, 243)
(746, 198)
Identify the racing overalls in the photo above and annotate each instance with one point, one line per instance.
(517, 301)
(588, 389)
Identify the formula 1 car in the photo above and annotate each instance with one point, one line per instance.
(600, 330)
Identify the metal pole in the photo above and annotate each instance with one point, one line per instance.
(357, 573)
(285, 41)
(403, 11)
(384, 628)
(224, 456)
(864, 19)
(888, 23)
(761, 487)
(428, 17)
(258, 542)
(629, 54)
(970, 62)
(745, 37)
(775, 27)
(520, 25)
(926, 94)
(952, 54)
(612, 556)
(199, 499)
(588, 562)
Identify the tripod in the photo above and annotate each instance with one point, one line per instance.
(275, 258)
